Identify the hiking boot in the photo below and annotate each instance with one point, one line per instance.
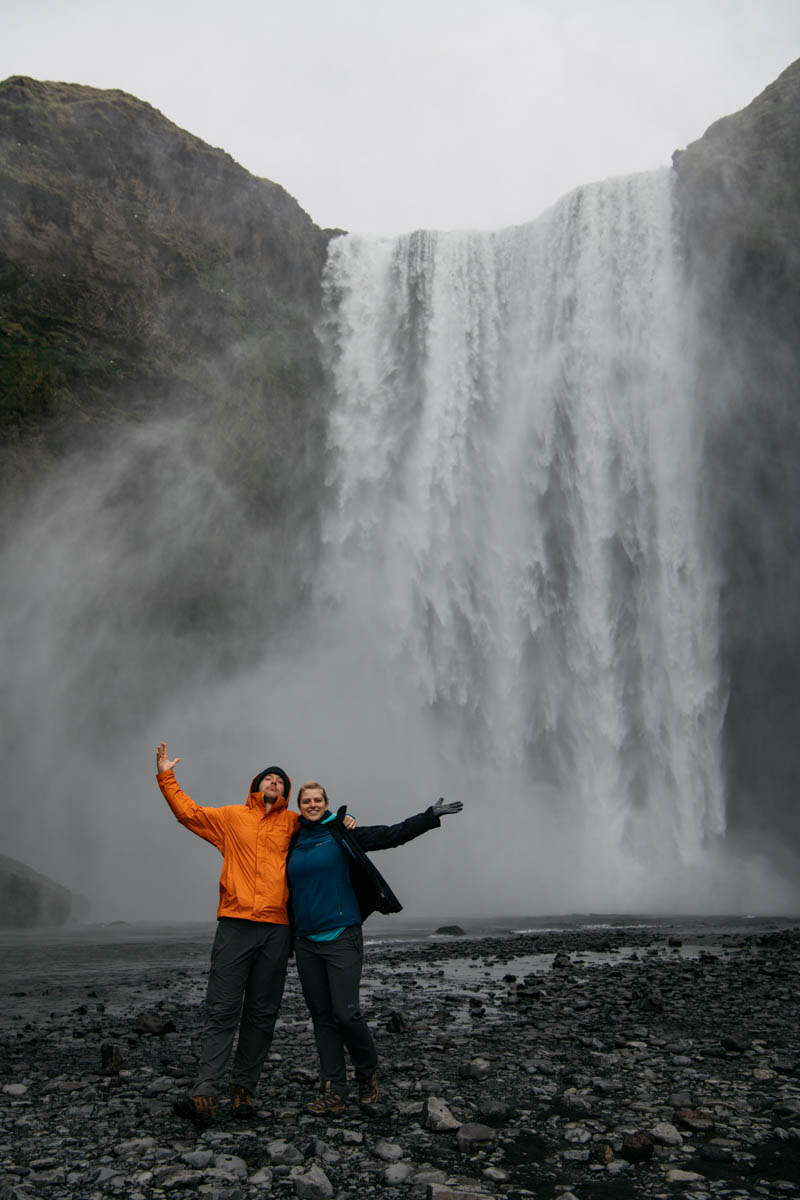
(242, 1102)
(368, 1091)
(200, 1110)
(328, 1103)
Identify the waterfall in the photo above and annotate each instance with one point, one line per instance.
(514, 522)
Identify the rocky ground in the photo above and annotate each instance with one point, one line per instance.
(590, 1063)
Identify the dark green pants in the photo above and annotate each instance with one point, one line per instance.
(245, 988)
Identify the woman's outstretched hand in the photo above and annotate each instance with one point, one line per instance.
(163, 761)
(440, 809)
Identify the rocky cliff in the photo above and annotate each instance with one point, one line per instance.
(28, 899)
(141, 272)
(739, 195)
(149, 283)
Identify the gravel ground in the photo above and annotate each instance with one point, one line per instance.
(617, 1062)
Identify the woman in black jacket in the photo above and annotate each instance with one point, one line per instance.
(333, 888)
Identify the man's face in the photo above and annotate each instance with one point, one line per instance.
(312, 804)
(270, 788)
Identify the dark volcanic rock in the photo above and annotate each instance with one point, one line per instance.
(739, 204)
(608, 1111)
(637, 1147)
(28, 899)
(158, 358)
(142, 268)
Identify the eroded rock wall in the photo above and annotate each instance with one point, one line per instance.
(739, 196)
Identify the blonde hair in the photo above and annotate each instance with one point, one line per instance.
(307, 786)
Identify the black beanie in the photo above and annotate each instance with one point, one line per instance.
(287, 785)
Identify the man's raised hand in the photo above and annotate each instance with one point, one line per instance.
(163, 761)
(440, 809)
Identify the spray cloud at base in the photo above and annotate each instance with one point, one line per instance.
(515, 603)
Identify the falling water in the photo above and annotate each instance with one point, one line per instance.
(514, 522)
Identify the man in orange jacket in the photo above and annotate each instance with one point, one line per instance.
(251, 947)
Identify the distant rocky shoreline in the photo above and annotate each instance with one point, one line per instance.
(598, 1063)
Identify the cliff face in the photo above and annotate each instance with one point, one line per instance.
(739, 196)
(142, 271)
(159, 373)
(28, 899)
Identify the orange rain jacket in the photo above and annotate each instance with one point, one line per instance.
(253, 844)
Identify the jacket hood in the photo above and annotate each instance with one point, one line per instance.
(254, 798)
(287, 783)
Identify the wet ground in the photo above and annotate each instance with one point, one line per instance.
(600, 1058)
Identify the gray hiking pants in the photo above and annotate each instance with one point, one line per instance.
(245, 987)
(330, 975)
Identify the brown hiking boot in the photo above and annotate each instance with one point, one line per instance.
(328, 1103)
(242, 1102)
(201, 1110)
(368, 1091)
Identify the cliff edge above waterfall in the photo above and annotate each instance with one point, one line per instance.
(739, 190)
(143, 271)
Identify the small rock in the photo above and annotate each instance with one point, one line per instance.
(197, 1158)
(112, 1060)
(261, 1178)
(713, 1153)
(602, 1153)
(666, 1134)
(438, 1116)
(232, 1164)
(451, 931)
(496, 1175)
(676, 1175)
(153, 1026)
(429, 1175)
(473, 1136)
(495, 1112)
(284, 1154)
(181, 1178)
(397, 1172)
(577, 1135)
(443, 1191)
(313, 1184)
(398, 1022)
(637, 1147)
(389, 1151)
(734, 1043)
(695, 1122)
(476, 1068)
(617, 1166)
(135, 1147)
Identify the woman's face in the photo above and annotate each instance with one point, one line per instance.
(312, 804)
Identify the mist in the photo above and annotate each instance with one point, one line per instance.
(513, 598)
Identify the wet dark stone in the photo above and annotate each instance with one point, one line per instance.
(735, 1043)
(112, 1059)
(637, 1147)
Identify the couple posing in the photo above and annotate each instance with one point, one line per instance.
(286, 878)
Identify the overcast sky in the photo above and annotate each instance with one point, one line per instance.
(386, 116)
